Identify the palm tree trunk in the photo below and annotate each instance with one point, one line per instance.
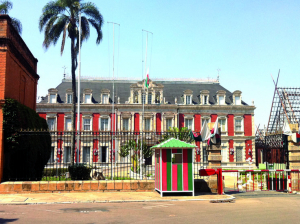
(74, 100)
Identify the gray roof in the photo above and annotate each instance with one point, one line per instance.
(171, 90)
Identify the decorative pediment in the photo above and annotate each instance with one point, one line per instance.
(140, 84)
(188, 91)
(105, 91)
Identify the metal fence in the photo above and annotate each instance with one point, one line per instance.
(109, 155)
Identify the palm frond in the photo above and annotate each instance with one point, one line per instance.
(64, 39)
(85, 28)
(17, 25)
(97, 26)
(50, 10)
(5, 6)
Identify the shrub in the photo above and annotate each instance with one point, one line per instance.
(25, 153)
(80, 172)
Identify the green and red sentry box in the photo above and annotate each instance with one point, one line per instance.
(174, 170)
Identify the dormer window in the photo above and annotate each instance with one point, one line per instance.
(188, 100)
(104, 98)
(221, 97)
(204, 97)
(87, 95)
(187, 96)
(157, 97)
(237, 97)
(143, 98)
(149, 98)
(52, 98)
(87, 98)
(69, 98)
(136, 97)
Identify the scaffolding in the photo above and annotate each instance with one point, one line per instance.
(285, 105)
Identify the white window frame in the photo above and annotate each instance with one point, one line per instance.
(150, 123)
(243, 154)
(226, 155)
(55, 123)
(190, 99)
(65, 154)
(242, 123)
(87, 118)
(102, 98)
(66, 127)
(172, 125)
(71, 95)
(104, 117)
(128, 125)
(90, 153)
(54, 98)
(239, 102)
(189, 118)
(90, 100)
(222, 103)
(223, 118)
(204, 99)
(149, 102)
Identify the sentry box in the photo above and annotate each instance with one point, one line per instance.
(174, 171)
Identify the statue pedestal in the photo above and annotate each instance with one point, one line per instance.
(214, 162)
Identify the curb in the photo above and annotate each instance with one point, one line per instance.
(117, 201)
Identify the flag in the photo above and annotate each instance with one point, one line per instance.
(205, 133)
(147, 80)
(215, 135)
(286, 128)
(296, 137)
(195, 136)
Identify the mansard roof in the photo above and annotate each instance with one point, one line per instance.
(171, 89)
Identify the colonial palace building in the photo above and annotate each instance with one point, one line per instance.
(167, 103)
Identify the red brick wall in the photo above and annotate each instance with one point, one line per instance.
(231, 157)
(113, 122)
(136, 122)
(181, 120)
(213, 117)
(60, 121)
(230, 123)
(248, 146)
(43, 115)
(248, 124)
(158, 122)
(96, 122)
(197, 121)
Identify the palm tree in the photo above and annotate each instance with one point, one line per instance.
(5, 6)
(61, 17)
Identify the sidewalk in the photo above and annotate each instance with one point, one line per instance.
(101, 197)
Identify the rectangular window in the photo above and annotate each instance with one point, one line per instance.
(69, 98)
(239, 154)
(147, 124)
(87, 98)
(149, 98)
(222, 123)
(168, 123)
(224, 153)
(177, 158)
(52, 98)
(238, 124)
(103, 154)
(87, 124)
(188, 99)
(237, 100)
(204, 154)
(125, 124)
(51, 159)
(205, 101)
(68, 124)
(189, 123)
(104, 124)
(104, 98)
(86, 154)
(51, 124)
(67, 154)
(143, 98)
(221, 100)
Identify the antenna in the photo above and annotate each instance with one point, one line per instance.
(218, 78)
(64, 71)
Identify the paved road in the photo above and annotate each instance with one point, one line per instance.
(261, 208)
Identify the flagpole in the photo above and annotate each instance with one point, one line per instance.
(113, 115)
(78, 98)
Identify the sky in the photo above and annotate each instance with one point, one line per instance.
(247, 41)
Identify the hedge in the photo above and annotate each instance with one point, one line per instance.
(25, 153)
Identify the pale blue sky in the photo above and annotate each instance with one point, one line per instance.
(247, 40)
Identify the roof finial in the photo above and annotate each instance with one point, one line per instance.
(218, 78)
(64, 71)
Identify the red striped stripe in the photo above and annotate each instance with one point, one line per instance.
(185, 171)
(164, 170)
(174, 177)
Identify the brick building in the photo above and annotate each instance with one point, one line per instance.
(18, 72)
(173, 103)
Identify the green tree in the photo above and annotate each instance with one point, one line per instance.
(61, 17)
(5, 6)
